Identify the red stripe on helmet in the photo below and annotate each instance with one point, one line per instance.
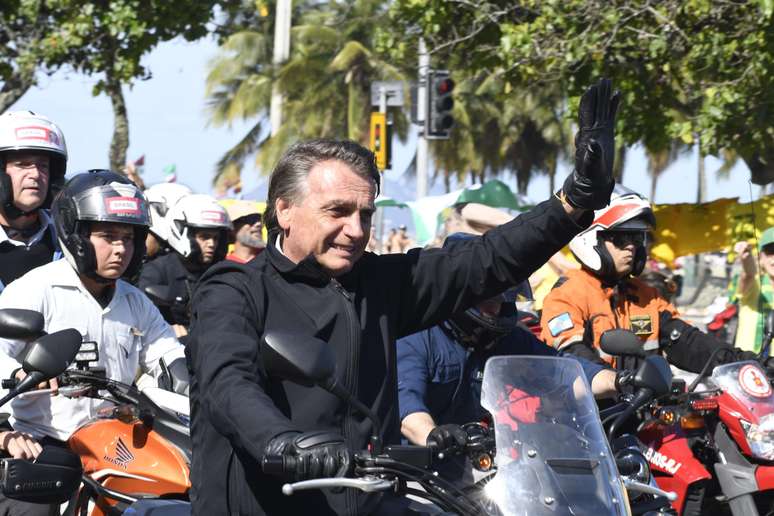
(617, 214)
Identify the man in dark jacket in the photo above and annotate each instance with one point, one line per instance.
(315, 279)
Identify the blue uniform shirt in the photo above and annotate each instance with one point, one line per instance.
(441, 377)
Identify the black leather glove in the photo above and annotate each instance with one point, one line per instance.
(447, 437)
(312, 454)
(591, 182)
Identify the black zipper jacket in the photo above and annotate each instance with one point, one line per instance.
(236, 408)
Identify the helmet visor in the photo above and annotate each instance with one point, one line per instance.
(116, 202)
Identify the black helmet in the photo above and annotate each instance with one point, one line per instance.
(98, 196)
(472, 328)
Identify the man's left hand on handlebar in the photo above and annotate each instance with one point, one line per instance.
(312, 454)
(448, 437)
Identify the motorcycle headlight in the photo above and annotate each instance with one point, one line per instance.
(640, 472)
(760, 437)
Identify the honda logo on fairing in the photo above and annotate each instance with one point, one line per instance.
(123, 455)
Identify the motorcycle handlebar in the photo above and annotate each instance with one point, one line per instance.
(278, 464)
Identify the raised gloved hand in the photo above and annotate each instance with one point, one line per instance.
(591, 182)
(447, 437)
(311, 454)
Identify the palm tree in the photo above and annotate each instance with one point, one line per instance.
(325, 82)
(660, 160)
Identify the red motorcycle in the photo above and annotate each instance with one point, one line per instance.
(713, 446)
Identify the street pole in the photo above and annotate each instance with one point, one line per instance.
(281, 54)
(424, 66)
(383, 186)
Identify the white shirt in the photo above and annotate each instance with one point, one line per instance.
(129, 332)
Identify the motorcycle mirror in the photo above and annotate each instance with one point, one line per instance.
(47, 358)
(621, 342)
(160, 294)
(51, 354)
(769, 325)
(17, 323)
(654, 374)
(301, 359)
(309, 361)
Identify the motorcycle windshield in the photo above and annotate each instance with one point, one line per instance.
(747, 383)
(552, 454)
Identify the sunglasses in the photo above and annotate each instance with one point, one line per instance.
(621, 239)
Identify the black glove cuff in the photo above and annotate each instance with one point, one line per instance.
(582, 193)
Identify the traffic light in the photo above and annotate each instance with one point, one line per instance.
(380, 139)
(439, 119)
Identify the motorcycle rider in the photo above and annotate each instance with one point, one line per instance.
(33, 159)
(314, 279)
(161, 197)
(101, 220)
(198, 235)
(440, 369)
(247, 236)
(606, 293)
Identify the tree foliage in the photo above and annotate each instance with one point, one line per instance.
(27, 42)
(325, 82)
(107, 39)
(687, 69)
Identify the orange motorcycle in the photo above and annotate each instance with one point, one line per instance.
(139, 448)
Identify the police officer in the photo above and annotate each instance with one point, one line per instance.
(198, 236)
(33, 159)
(606, 293)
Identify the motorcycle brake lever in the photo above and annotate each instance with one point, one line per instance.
(633, 485)
(367, 485)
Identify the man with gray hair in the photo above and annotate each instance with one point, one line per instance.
(316, 280)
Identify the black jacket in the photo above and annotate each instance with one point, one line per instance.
(236, 408)
(169, 270)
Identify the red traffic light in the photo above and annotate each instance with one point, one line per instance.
(444, 86)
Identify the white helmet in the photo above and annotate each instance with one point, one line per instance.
(25, 130)
(197, 211)
(628, 211)
(161, 198)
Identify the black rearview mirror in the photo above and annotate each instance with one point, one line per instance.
(160, 294)
(47, 358)
(51, 354)
(17, 323)
(655, 374)
(769, 325)
(621, 343)
(299, 358)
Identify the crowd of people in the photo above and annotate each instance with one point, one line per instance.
(150, 278)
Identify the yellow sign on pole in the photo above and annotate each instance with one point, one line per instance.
(379, 141)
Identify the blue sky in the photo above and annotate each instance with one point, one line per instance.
(168, 124)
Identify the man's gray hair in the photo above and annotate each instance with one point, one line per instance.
(288, 180)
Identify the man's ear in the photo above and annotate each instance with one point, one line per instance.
(284, 211)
